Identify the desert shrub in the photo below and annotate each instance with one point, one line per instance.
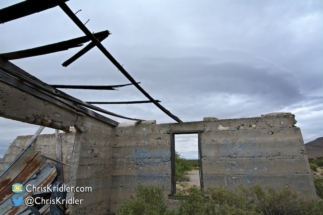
(192, 201)
(221, 201)
(194, 164)
(284, 201)
(231, 202)
(182, 166)
(147, 201)
(313, 166)
(317, 161)
(185, 178)
(318, 182)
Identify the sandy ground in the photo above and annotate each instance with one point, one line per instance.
(194, 178)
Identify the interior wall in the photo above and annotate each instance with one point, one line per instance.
(141, 154)
(92, 161)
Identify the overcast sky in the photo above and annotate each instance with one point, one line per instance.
(221, 58)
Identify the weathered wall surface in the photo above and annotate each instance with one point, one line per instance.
(141, 154)
(27, 108)
(268, 150)
(45, 143)
(92, 167)
(90, 155)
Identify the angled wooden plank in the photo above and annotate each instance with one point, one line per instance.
(89, 87)
(25, 8)
(83, 51)
(124, 102)
(59, 156)
(42, 179)
(59, 98)
(63, 100)
(36, 84)
(83, 87)
(44, 209)
(51, 48)
(34, 137)
(8, 79)
(17, 174)
(52, 159)
(98, 44)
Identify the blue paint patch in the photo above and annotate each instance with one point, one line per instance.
(145, 157)
(158, 159)
(248, 149)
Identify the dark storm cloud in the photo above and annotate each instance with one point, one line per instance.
(200, 77)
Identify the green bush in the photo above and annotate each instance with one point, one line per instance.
(213, 201)
(318, 182)
(182, 166)
(317, 161)
(148, 201)
(194, 164)
(313, 166)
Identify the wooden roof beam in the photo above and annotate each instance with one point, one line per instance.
(25, 8)
(90, 87)
(120, 103)
(55, 47)
(98, 44)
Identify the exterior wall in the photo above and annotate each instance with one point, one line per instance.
(268, 150)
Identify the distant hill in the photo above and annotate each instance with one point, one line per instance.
(314, 149)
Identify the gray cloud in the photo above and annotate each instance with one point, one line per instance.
(226, 59)
(187, 145)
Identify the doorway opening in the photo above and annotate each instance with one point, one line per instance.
(186, 162)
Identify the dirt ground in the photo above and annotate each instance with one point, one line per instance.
(194, 180)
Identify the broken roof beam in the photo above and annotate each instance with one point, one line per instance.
(86, 31)
(124, 102)
(87, 48)
(57, 97)
(25, 8)
(22, 80)
(51, 48)
(90, 87)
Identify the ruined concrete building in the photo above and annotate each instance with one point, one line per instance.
(113, 157)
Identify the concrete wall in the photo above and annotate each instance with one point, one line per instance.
(21, 106)
(90, 155)
(92, 167)
(45, 143)
(268, 150)
(141, 154)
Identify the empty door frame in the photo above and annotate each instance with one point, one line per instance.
(172, 150)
